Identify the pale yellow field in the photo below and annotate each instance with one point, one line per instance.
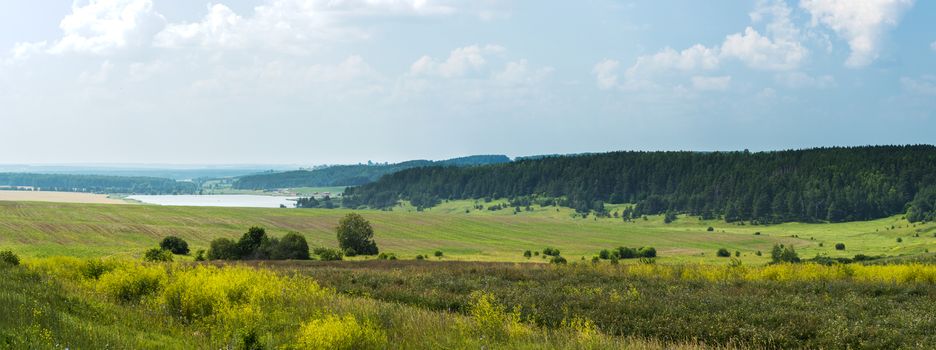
(60, 197)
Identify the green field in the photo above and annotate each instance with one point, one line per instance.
(49, 229)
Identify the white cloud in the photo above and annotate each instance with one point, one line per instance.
(22, 51)
(760, 52)
(925, 85)
(933, 46)
(861, 23)
(606, 73)
(703, 83)
(798, 80)
(520, 73)
(779, 50)
(103, 26)
(460, 62)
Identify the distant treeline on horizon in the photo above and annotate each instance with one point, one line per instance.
(820, 184)
(98, 183)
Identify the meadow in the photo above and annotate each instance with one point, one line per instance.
(82, 284)
(455, 228)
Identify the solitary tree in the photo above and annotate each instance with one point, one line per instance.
(175, 245)
(356, 234)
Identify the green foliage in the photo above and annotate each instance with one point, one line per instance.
(175, 245)
(646, 252)
(825, 184)
(438, 253)
(923, 206)
(420, 257)
(354, 232)
(200, 255)
(551, 252)
(132, 283)
(604, 254)
(710, 229)
(840, 246)
(669, 217)
(783, 254)
(527, 254)
(899, 240)
(223, 249)
(723, 253)
(558, 260)
(98, 183)
(250, 243)
(157, 255)
(7, 257)
(292, 246)
(328, 254)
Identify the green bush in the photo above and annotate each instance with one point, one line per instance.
(626, 253)
(527, 254)
(710, 229)
(551, 252)
(200, 255)
(157, 255)
(646, 252)
(723, 253)
(132, 283)
(292, 246)
(7, 257)
(558, 260)
(223, 249)
(840, 246)
(175, 245)
(420, 257)
(328, 254)
(438, 253)
(604, 254)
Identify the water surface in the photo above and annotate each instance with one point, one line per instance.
(221, 200)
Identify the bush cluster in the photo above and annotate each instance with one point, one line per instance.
(256, 245)
(157, 255)
(328, 254)
(627, 253)
(356, 236)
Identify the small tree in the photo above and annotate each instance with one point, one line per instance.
(251, 241)
(223, 249)
(175, 245)
(527, 254)
(604, 254)
(157, 255)
(292, 246)
(354, 232)
(647, 252)
(8, 257)
(438, 253)
(723, 253)
(840, 246)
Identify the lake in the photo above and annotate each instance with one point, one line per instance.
(222, 200)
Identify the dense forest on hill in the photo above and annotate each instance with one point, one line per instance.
(352, 175)
(822, 184)
(98, 183)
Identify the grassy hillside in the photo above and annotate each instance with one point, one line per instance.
(46, 229)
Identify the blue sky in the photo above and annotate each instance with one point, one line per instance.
(343, 81)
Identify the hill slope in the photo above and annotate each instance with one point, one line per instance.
(352, 175)
(823, 184)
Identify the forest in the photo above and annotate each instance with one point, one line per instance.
(811, 185)
(351, 175)
(98, 183)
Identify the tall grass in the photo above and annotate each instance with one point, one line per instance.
(76, 303)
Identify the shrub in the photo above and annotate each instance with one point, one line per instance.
(250, 243)
(175, 245)
(356, 233)
(758, 253)
(490, 320)
(7, 257)
(723, 253)
(840, 246)
(710, 229)
(419, 257)
(595, 259)
(757, 233)
(340, 333)
(328, 254)
(132, 283)
(558, 260)
(737, 253)
(292, 246)
(551, 252)
(438, 253)
(604, 254)
(527, 254)
(626, 253)
(899, 239)
(779, 254)
(157, 255)
(350, 252)
(382, 256)
(647, 252)
(200, 255)
(223, 249)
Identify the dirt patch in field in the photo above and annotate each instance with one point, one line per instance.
(59, 197)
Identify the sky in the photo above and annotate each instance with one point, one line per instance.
(346, 81)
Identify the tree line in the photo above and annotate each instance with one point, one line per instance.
(351, 175)
(811, 185)
(98, 183)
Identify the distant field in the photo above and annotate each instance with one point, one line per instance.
(60, 197)
(45, 229)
